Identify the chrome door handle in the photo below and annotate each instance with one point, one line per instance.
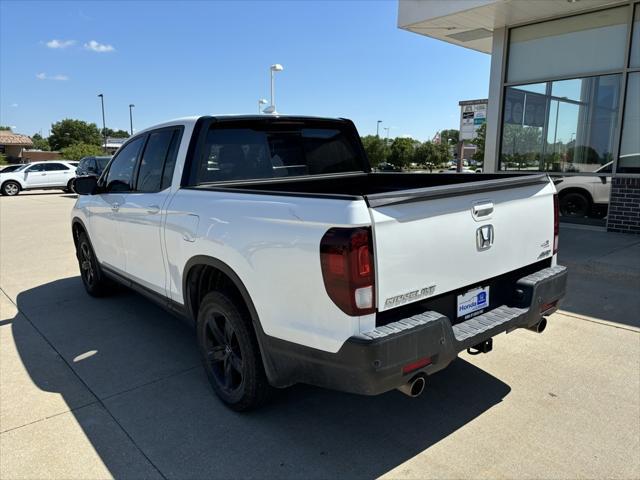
(153, 209)
(115, 207)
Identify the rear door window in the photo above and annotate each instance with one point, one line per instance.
(158, 161)
(52, 167)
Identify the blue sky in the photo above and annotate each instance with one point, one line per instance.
(173, 59)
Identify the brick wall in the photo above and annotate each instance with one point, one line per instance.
(624, 207)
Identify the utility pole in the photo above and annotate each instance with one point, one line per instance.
(131, 105)
(104, 124)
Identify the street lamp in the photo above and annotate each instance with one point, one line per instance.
(378, 128)
(131, 105)
(276, 67)
(386, 139)
(104, 124)
(261, 102)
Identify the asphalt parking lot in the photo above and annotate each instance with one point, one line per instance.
(95, 388)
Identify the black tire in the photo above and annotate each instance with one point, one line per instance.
(10, 188)
(94, 281)
(230, 353)
(71, 187)
(575, 204)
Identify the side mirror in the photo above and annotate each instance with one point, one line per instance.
(86, 185)
(603, 180)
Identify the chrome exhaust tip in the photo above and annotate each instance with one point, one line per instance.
(539, 327)
(414, 387)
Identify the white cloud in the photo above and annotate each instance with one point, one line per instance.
(98, 47)
(14, 105)
(58, 77)
(60, 43)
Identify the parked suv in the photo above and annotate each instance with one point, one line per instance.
(56, 174)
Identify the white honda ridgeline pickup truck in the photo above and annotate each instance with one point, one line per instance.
(299, 264)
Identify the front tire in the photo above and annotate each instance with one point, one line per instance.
(230, 353)
(10, 188)
(94, 281)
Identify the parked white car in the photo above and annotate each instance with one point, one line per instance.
(298, 264)
(581, 195)
(55, 174)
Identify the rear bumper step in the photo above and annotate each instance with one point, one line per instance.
(372, 362)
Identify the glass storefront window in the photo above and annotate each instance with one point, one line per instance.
(629, 159)
(634, 61)
(561, 126)
(560, 47)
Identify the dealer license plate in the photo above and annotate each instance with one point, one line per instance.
(473, 301)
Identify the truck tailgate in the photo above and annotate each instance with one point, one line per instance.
(435, 240)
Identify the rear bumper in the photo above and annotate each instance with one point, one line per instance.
(371, 363)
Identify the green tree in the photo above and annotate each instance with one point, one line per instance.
(68, 132)
(115, 133)
(479, 142)
(450, 137)
(402, 151)
(3, 159)
(4, 127)
(40, 143)
(376, 149)
(81, 150)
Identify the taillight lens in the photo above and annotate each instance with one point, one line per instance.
(346, 257)
(556, 223)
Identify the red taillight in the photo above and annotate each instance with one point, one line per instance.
(347, 269)
(410, 367)
(556, 223)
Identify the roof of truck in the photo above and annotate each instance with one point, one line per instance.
(193, 119)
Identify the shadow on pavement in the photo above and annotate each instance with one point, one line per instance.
(604, 274)
(142, 364)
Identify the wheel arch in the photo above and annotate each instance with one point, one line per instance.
(580, 190)
(77, 225)
(192, 292)
(14, 180)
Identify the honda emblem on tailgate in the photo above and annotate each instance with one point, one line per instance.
(484, 237)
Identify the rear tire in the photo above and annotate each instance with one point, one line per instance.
(10, 188)
(230, 353)
(94, 281)
(575, 204)
(71, 187)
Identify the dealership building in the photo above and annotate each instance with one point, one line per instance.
(564, 93)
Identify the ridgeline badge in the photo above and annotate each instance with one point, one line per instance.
(409, 296)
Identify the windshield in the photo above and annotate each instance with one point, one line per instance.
(16, 168)
(102, 162)
(262, 150)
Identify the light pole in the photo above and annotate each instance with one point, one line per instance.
(104, 124)
(378, 128)
(131, 105)
(386, 141)
(261, 102)
(276, 67)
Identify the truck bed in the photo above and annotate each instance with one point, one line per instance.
(380, 188)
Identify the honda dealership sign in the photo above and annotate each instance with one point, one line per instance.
(473, 113)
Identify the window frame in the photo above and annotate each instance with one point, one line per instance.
(175, 128)
(204, 124)
(64, 169)
(633, 6)
(32, 168)
(102, 181)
